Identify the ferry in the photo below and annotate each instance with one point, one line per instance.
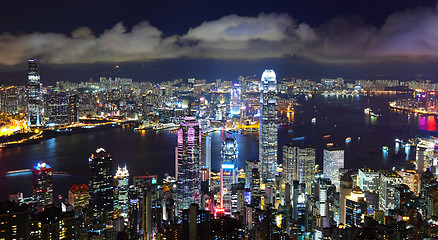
(13, 172)
(329, 144)
(314, 120)
(327, 136)
(367, 110)
(348, 139)
(385, 148)
(298, 138)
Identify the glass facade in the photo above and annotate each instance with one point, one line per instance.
(34, 94)
(268, 133)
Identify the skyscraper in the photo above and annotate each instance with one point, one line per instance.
(101, 206)
(121, 190)
(268, 133)
(299, 164)
(388, 181)
(229, 156)
(34, 94)
(333, 161)
(42, 185)
(187, 163)
(206, 151)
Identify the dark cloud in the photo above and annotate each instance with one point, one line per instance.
(407, 35)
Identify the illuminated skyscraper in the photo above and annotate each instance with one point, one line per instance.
(249, 166)
(236, 101)
(187, 163)
(121, 190)
(229, 155)
(34, 94)
(42, 185)
(268, 133)
(56, 108)
(206, 151)
(299, 164)
(229, 151)
(333, 161)
(388, 181)
(101, 206)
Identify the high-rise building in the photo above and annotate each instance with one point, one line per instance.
(229, 156)
(187, 163)
(56, 108)
(73, 106)
(355, 207)
(388, 181)
(268, 133)
(34, 94)
(346, 186)
(121, 192)
(249, 166)
(228, 178)
(333, 161)
(368, 180)
(42, 185)
(299, 164)
(78, 195)
(235, 104)
(230, 152)
(101, 206)
(206, 151)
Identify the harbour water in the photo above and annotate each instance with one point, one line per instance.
(153, 151)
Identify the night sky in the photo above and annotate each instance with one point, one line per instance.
(163, 40)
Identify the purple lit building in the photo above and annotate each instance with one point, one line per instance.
(187, 165)
(42, 185)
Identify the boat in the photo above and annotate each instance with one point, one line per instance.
(367, 110)
(375, 114)
(290, 131)
(314, 120)
(385, 148)
(348, 139)
(330, 144)
(327, 136)
(298, 138)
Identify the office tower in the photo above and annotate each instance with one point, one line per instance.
(229, 153)
(78, 195)
(411, 179)
(424, 156)
(236, 98)
(133, 211)
(238, 200)
(388, 181)
(206, 151)
(42, 185)
(268, 133)
(322, 200)
(249, 166)
(56, 108)
(205, 181)
(346, 185)
(228, 177)
(229, 156)
(73, 106)
(121, 192)
(34, 94)
(356, 207)
(368, 180)
(195, 223)
(299, 164)
(333, 161)
(255, 188)
(301, 209)
(101, 206)
(187, 163)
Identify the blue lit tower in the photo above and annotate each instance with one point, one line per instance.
(101, 206)
(187, 163)
(34, 94)
(229, 156)
(268, 133)
(42, 185)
